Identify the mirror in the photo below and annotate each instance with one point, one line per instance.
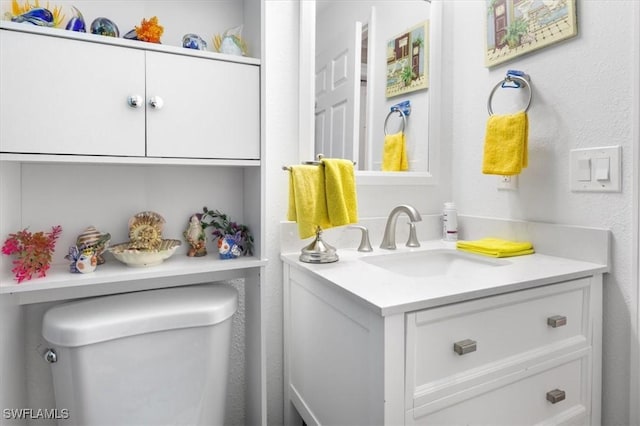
(351, 39)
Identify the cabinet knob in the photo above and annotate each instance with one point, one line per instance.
(464, 346)
(557, 321)
(556, 396)
(135, 101)
(156, 102)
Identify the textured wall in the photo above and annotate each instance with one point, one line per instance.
(582, 98)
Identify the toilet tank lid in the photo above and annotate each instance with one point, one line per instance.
(84, 322)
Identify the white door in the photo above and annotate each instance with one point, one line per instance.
(338, 95)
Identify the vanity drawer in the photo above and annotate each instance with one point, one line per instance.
(481, 339)
(556, 393)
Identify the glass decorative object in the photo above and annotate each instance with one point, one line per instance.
(76, 22)
(37, 16)
(193, 41)
(105, 27)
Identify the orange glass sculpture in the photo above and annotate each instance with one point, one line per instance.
(150, 30)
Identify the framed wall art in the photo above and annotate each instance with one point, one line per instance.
(408, 61)
(516, 27)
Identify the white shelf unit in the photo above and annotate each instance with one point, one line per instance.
(41, 190)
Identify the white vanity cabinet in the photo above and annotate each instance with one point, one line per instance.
(121, 98)
(523, 357)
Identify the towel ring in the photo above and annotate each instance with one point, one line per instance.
(518, 80)
(404, 120)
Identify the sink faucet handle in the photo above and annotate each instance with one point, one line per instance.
(365, 244)
(413, 237)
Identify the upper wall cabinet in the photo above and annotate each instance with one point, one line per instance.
(71, 96)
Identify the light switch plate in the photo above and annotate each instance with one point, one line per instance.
(600, 179)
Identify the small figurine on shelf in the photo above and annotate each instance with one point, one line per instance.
(231, 42)
(104, 27)
(83, 260)
(196, 237)
(76, 22)
(228, 234)
(93, 239)
(34, 14)
(34, 252)
(228, 246)
(193, 41)
(149, 31)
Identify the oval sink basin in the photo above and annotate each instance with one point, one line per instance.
(433, 262)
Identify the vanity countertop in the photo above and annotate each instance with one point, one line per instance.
(390, 293)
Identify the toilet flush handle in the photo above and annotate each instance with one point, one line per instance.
(50, 356)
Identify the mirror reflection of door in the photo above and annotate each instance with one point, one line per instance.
(338, 76)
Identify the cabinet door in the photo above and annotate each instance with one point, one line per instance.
(210, 108)
(62, 96)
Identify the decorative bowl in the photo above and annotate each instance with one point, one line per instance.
(142, 258)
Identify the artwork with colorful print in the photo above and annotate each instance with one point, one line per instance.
(516, 27)
(408, 61)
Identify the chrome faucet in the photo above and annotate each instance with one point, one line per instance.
(389, 238)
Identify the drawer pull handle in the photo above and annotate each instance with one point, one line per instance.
(557, 321)
(556, 396)
(464, 346)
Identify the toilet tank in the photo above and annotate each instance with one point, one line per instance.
(157, 357)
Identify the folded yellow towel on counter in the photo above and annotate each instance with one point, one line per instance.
(394, 155)
(340, 187)
(307, 200)
(506, 144)
(496, 247)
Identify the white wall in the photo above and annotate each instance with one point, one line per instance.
(280, 91)
(582, 98)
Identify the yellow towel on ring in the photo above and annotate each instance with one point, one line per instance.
(340, 188)
(394, 155)
(496, 247)
(506, 144)
(307, 199)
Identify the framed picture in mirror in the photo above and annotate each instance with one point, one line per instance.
(408, 61)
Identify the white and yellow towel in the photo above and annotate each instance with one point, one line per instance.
(323, 196)
(496, 247)
(506, 144)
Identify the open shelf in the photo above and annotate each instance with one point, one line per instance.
(115, 277)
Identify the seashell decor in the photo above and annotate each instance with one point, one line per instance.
(95, 240)
(145, 230)
(146, 246)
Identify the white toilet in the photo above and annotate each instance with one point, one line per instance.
(157, 357)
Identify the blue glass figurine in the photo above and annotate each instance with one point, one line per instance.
(76, 23)
(37, 16)
(193, 41)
